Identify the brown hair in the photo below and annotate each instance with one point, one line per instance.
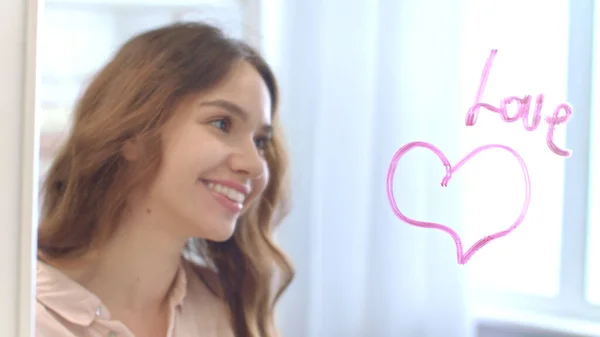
(134, 95)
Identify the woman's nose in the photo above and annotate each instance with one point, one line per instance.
(248, 161)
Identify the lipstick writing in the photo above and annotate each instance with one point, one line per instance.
(561, 115)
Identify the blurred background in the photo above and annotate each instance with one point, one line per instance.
(361, 78)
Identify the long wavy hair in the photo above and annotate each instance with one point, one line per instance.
(135, 95)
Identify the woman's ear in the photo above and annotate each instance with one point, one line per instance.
(131, 150)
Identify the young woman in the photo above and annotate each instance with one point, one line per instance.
(160, 207)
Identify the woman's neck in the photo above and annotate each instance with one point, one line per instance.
(135, 270)
(134, 274)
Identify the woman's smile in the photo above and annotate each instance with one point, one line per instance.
(229, 194)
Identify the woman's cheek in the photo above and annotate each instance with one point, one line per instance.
(259, 186)
(265, 176)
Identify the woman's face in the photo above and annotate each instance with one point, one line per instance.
(213, 162)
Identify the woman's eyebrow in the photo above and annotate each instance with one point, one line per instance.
(236, 110)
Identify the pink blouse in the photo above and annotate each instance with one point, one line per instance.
(66, 309)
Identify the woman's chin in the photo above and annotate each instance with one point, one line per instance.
(219, 238)
(221, 234)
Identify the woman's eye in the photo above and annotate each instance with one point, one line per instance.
(224, 124)
(262, 144)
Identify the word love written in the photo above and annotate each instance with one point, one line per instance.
(561, 114)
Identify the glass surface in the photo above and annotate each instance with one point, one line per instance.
(531, 59)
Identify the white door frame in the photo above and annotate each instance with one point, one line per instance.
(18, 171)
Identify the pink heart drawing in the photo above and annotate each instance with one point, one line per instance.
(461, 257)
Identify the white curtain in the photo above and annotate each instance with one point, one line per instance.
(359, 80)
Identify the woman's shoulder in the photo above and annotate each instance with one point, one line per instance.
(63, 307)
(48, 325)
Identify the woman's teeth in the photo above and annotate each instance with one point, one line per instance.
(228, 192)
